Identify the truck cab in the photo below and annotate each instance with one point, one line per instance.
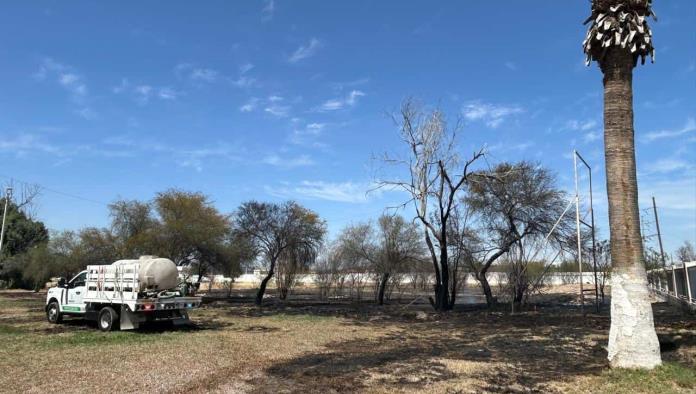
(66, 298)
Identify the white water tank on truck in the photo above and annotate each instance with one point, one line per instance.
(155, 273)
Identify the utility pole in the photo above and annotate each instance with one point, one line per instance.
(8, 195)
(659, 236)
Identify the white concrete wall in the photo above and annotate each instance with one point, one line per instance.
(494, 278)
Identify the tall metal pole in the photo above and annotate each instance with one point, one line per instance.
(594, 251)
(659, 236)
(577, 226)
(8, 195)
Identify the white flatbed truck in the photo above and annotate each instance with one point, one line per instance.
(121, 295)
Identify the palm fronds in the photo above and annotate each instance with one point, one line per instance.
(621, 23)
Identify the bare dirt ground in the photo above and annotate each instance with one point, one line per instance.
(308, 346)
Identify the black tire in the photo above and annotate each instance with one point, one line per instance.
(53, 313)
(108, 319)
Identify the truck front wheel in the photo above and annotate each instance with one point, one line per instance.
(53, 313)
(108, 319)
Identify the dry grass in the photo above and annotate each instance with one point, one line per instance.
(303, 346)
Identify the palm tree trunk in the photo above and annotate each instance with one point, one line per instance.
(632, 339)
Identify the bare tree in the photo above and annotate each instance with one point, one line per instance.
(24, 196)
(293, 261)
(436, 175)
(388, 249)
(618, 36)
(686, 253)
(275, 228)
(512, 202)
(603, 254)
(327, 271)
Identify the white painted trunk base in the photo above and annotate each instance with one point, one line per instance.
(632, 339)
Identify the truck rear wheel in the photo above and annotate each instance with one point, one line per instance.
(108, 319)
(53, 313)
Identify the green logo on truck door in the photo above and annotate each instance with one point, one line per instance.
(71, 308)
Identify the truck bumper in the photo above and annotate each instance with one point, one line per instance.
(132, 320)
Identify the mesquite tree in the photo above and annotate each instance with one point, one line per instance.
(436, 176)
(512, 202)
(275, 229)
(389, 248)
(618, 36)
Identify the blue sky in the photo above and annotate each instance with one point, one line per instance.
(275, 100)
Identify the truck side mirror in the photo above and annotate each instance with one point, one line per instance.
(61, 282)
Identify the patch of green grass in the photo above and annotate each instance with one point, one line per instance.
(299, 318)
(98, 338)
(671, 377)
(9, 330)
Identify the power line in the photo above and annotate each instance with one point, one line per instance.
(42, 187)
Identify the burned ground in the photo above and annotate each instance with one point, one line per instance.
(308, 346)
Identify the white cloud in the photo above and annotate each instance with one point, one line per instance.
(305, 51)
(308, 135)
(168, 94)
(122, 87)
(492, 115)
(299, 161)
(204, 74)
(268, 10)
(339, 103)
(667, 165)
(70, 80)
(245, 68)
(577, 125)
(249, 105)
(677, 194)
(591, 136)
(280, 111)
(347, 192)
(86, 113)
(688, 127)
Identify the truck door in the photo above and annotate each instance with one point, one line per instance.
(76, 292)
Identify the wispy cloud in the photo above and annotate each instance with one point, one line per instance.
(69, 79)
(688, 127)
(667, 165)
(492, 115)
(250, 105)
(346, 192)
(204, 74)
(278, 110)
(288, 162)
(305, 51)
(511, 66)
(580, 125)
(143, 93)
(245, 68)
(340, 103)
(591, 136)
(308, 134)
(268, 10)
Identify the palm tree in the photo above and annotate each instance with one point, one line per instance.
(618, 36)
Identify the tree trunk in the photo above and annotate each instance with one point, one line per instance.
(442, 302)
(264, 283)
(486, 287)
(632, 339)
(382, 286)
